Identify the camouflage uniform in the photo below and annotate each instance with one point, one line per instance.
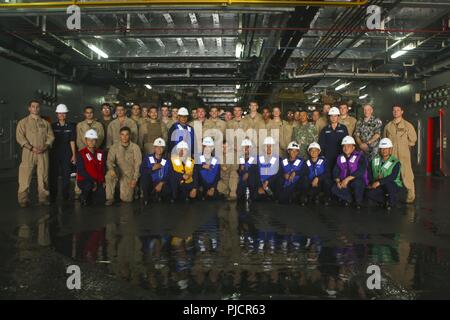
(365, 130)
(304, 135)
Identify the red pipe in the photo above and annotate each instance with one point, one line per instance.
(430, 133)
(441, 143)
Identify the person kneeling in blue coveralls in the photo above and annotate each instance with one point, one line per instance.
(386, 180)
(319, 175)
(208, 169)
(155, 174)
(247, 172)
(350, 174)
(293, 177)
(268, 171)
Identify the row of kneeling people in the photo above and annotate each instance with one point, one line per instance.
(266, 176)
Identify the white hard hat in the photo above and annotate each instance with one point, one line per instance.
(314, 145)
(246, 143)
(293, 145)
(208, 142)
(268, 140)
(61, 108)
(334, 112)
(182, 145)
(385, 143)
(348, 140)
(159, 142)
(91, 134)
(183, 112)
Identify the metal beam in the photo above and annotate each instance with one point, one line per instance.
(122, 3)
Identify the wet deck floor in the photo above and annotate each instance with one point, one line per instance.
(223, 251)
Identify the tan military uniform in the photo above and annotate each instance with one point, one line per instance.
(148, 132)
(404, 137)
(256, 122)
(38, 133)
(215, 124)
(350, 123)
(84, 126)
(229, 177)
(136, 120)
(284, 134)
(321, 123)
(125, 161)
(168, 123)
(113, 132)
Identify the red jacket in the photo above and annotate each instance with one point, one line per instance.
(91, 165)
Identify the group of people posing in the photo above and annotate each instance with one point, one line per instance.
(157, 154)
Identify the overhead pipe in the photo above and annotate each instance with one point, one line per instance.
(115, 3)
(434, 68)
(343, 75)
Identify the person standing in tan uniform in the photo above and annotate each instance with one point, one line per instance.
(165, 119)
(113, 132)
(105, 120)
(89, 123)
(123, 165)
(346, 120)
(290, 120)
(254, 120)
(151, 130)
(322, 122)
(285, 130)
(403, 137)
(35, 136)
(214, 122)
(198, 124)
(136, 115)
(228, 171)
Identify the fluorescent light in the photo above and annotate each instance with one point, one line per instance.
(401, 52)
(149, 87)
(201, 44)
(216, 20)
(363, 96)
(160, 43)
(168, 18)
(363, 87)
(193, 18)
(140, 43)
(97, 50)
(342, 86)
(335, 82)
(360, 42)
(316, 100)
(239, 49)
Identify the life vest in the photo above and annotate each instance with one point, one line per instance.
(160, 174)
(349, 165)
(291, 166)
(184, 168)
(269, 168)
(382, 169)
(316, 169)
(209, 175)
(94, 165)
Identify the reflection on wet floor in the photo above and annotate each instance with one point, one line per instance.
(224, 251)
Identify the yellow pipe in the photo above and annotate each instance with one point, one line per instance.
(124, 3)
